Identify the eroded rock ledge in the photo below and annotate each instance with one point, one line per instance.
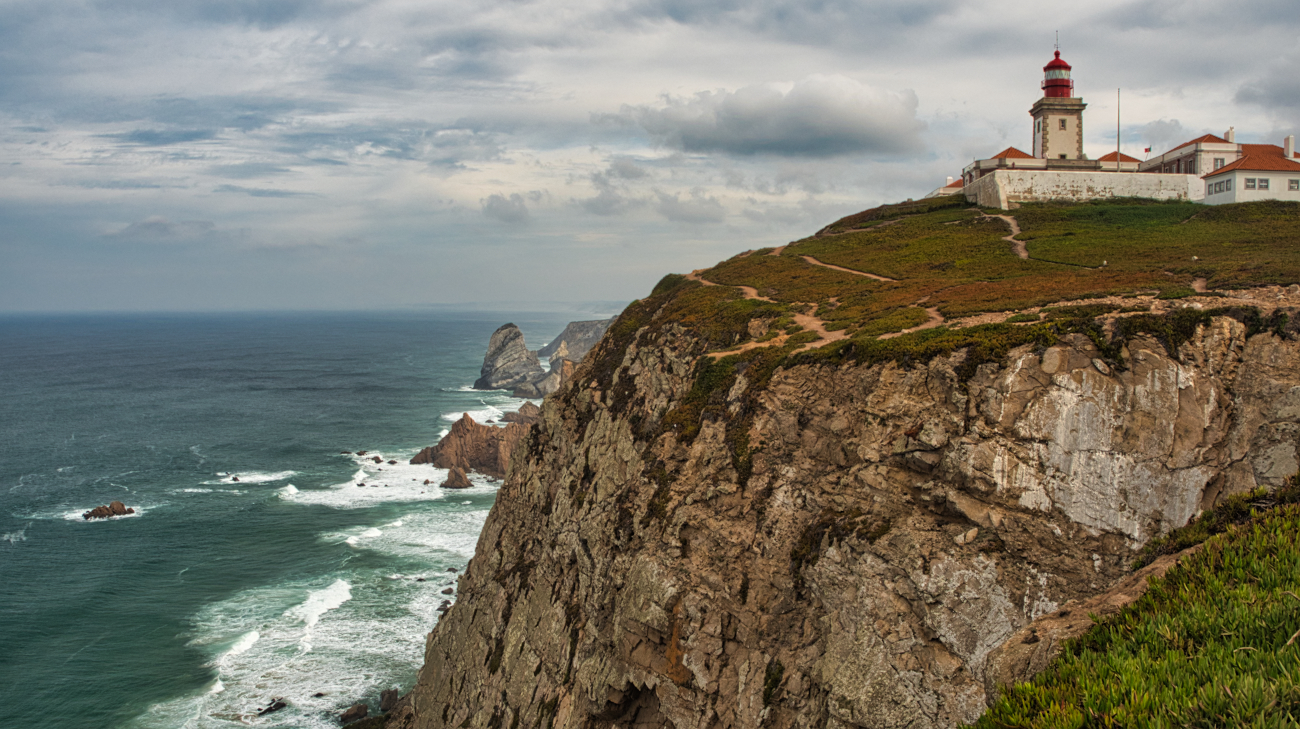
(856, 557)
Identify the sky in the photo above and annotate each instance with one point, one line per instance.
(197, 155)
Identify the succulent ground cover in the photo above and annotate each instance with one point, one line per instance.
(945, 254)
(1214, 643)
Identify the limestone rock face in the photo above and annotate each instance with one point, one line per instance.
(508, 363)
(471, 446)
(575, 341)
(866, 555)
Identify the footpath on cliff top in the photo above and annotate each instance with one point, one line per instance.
(880, 476)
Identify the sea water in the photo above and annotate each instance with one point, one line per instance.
(265, 559)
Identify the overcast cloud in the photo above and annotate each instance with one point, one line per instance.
(380, 153)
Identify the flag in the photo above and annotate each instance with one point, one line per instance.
(1147, 150)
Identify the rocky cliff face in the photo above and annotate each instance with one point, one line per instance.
(832, 544)
(575, 341)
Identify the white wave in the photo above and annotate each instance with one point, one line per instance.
(241, 646)
(250, 477)
(385, 483)
(317, 604)
(480, 416)
(15, 537)
(379, 632)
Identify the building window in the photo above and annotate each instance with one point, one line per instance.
(1218, 187)
(1250, 183)
(1064, 157)
(1227, 184)
(1218, 162)
(1293, 185)
(1191, 166)
(1062, 123)
(1263, 183)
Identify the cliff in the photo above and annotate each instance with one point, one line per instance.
(575, 341)
(749, 507)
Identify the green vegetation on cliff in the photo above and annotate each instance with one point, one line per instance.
(1214, 643)
(946, 255)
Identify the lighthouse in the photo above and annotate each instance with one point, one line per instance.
(1058, 116)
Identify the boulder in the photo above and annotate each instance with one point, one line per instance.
(356, 712)
(388, 699)
(508, 363)
(456, 479)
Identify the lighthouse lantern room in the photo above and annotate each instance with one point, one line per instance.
(1058, 116)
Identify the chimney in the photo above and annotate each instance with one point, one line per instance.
(1289, 146)
(1290, 139)
(1231, 135)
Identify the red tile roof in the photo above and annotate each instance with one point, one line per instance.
(1011, 153)
(1204, 139)
(1123, 158)
(1260, 158)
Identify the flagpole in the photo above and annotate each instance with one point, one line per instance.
(1117, 154)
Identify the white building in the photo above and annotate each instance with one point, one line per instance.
(1197, 157)
(1261, 172)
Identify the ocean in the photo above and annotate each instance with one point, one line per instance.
(265, 559)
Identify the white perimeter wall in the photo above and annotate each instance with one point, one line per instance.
(1004, 187)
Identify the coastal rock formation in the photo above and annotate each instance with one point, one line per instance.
(356, 712)
(456, 479)
(508, 363)
(116, 508)
(833, 543)
(527, 413)
(471, 446)
(575, 341)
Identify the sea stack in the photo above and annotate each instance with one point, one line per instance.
(508, 363)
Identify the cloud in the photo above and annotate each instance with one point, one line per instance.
(612, 197)
(821, 116)
(1277, 90)
(260, 191)
(163, 137)
(160, 229)
(1163, 134)
(248, 170)
(698, 208)
(511, 210)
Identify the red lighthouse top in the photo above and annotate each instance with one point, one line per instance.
(1056, 79)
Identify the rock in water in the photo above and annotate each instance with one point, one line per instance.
(471, 446)
(456, 479)
(387, 700)
(508, 363)
(528, 413)
(356, 712)
(116, 508)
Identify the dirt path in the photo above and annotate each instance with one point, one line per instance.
(807, 321)
(1016, 245)
(815, 262)
(936, 319)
